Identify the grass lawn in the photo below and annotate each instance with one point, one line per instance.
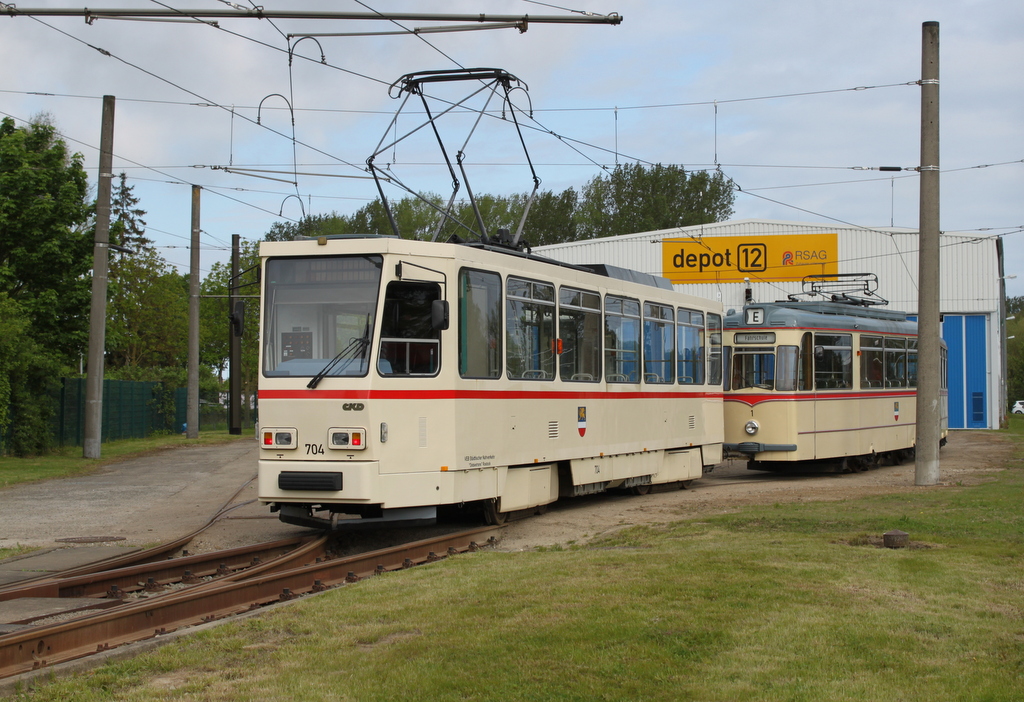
(777, 602)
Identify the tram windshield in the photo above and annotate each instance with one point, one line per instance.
(753, 368)
(319, 315)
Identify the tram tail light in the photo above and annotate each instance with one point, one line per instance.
(279, 438)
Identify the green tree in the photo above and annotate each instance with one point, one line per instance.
(311, 226)
(45, 257)
(147, 309)
(552, 218)
(13, 325)
(1015, 349)
(45, 250)
(215, 328)
(635, 198)
(147, 313)
(127, 228)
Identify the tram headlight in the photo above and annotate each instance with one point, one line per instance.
(751, 427)
(346, 438)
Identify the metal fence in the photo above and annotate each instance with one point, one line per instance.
(131, 410)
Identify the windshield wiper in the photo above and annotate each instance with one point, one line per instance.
(355, 349)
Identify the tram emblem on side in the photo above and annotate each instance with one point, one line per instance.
(581, 420)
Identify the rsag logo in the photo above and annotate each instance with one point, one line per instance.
(787, 258)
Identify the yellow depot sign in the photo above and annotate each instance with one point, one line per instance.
(730, 259)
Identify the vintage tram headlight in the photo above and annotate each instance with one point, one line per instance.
(751, 427)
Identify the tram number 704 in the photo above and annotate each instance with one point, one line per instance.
(313, 449)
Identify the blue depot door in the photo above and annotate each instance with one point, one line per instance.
(966, 336)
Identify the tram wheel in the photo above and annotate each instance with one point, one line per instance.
(640, 489)
(492, 515)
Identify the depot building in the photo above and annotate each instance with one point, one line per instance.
(767, 260)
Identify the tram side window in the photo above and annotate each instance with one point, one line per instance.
(833, 361)
(872, 364)
(530, 342)
(621, 340)
(714, 349)
(943, 367)
(479, 324)
(690, 341)
(659, 344)
(895, 362)
(579, 329)
(788, 368)
(409, 345)
(806, 362)
(912, 364)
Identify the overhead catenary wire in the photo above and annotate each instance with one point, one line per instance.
(615, 152)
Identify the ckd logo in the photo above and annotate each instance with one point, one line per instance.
(353, 406)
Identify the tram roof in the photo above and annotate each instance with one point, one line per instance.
(607, 271)
(819, 313)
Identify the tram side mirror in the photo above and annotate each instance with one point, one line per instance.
(237, 318)
(819, 352)
(439, 315)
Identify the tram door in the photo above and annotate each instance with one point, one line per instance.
(833, 371)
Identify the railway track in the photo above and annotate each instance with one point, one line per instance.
(123, 619)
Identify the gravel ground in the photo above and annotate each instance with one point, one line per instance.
(167, 494)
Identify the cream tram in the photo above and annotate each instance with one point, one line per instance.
(397, 377)
(822, 377)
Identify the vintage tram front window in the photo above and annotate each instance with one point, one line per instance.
(530, 342)
(690, 342)
(753, 368)
(833, 361)
(319, 315)
(659, 344)
(409, 344)
(579, 329)
(621, 340)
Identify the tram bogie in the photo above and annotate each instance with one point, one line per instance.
(401, 376)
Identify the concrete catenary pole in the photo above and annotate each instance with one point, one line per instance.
(192, 410)
(235, 342)
(928, 354)
(98, 312)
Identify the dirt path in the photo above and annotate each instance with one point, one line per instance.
(966, 459)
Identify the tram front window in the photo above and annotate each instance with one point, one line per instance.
(753, 368)
(320, 315)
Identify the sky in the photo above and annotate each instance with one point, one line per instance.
(797, 102)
